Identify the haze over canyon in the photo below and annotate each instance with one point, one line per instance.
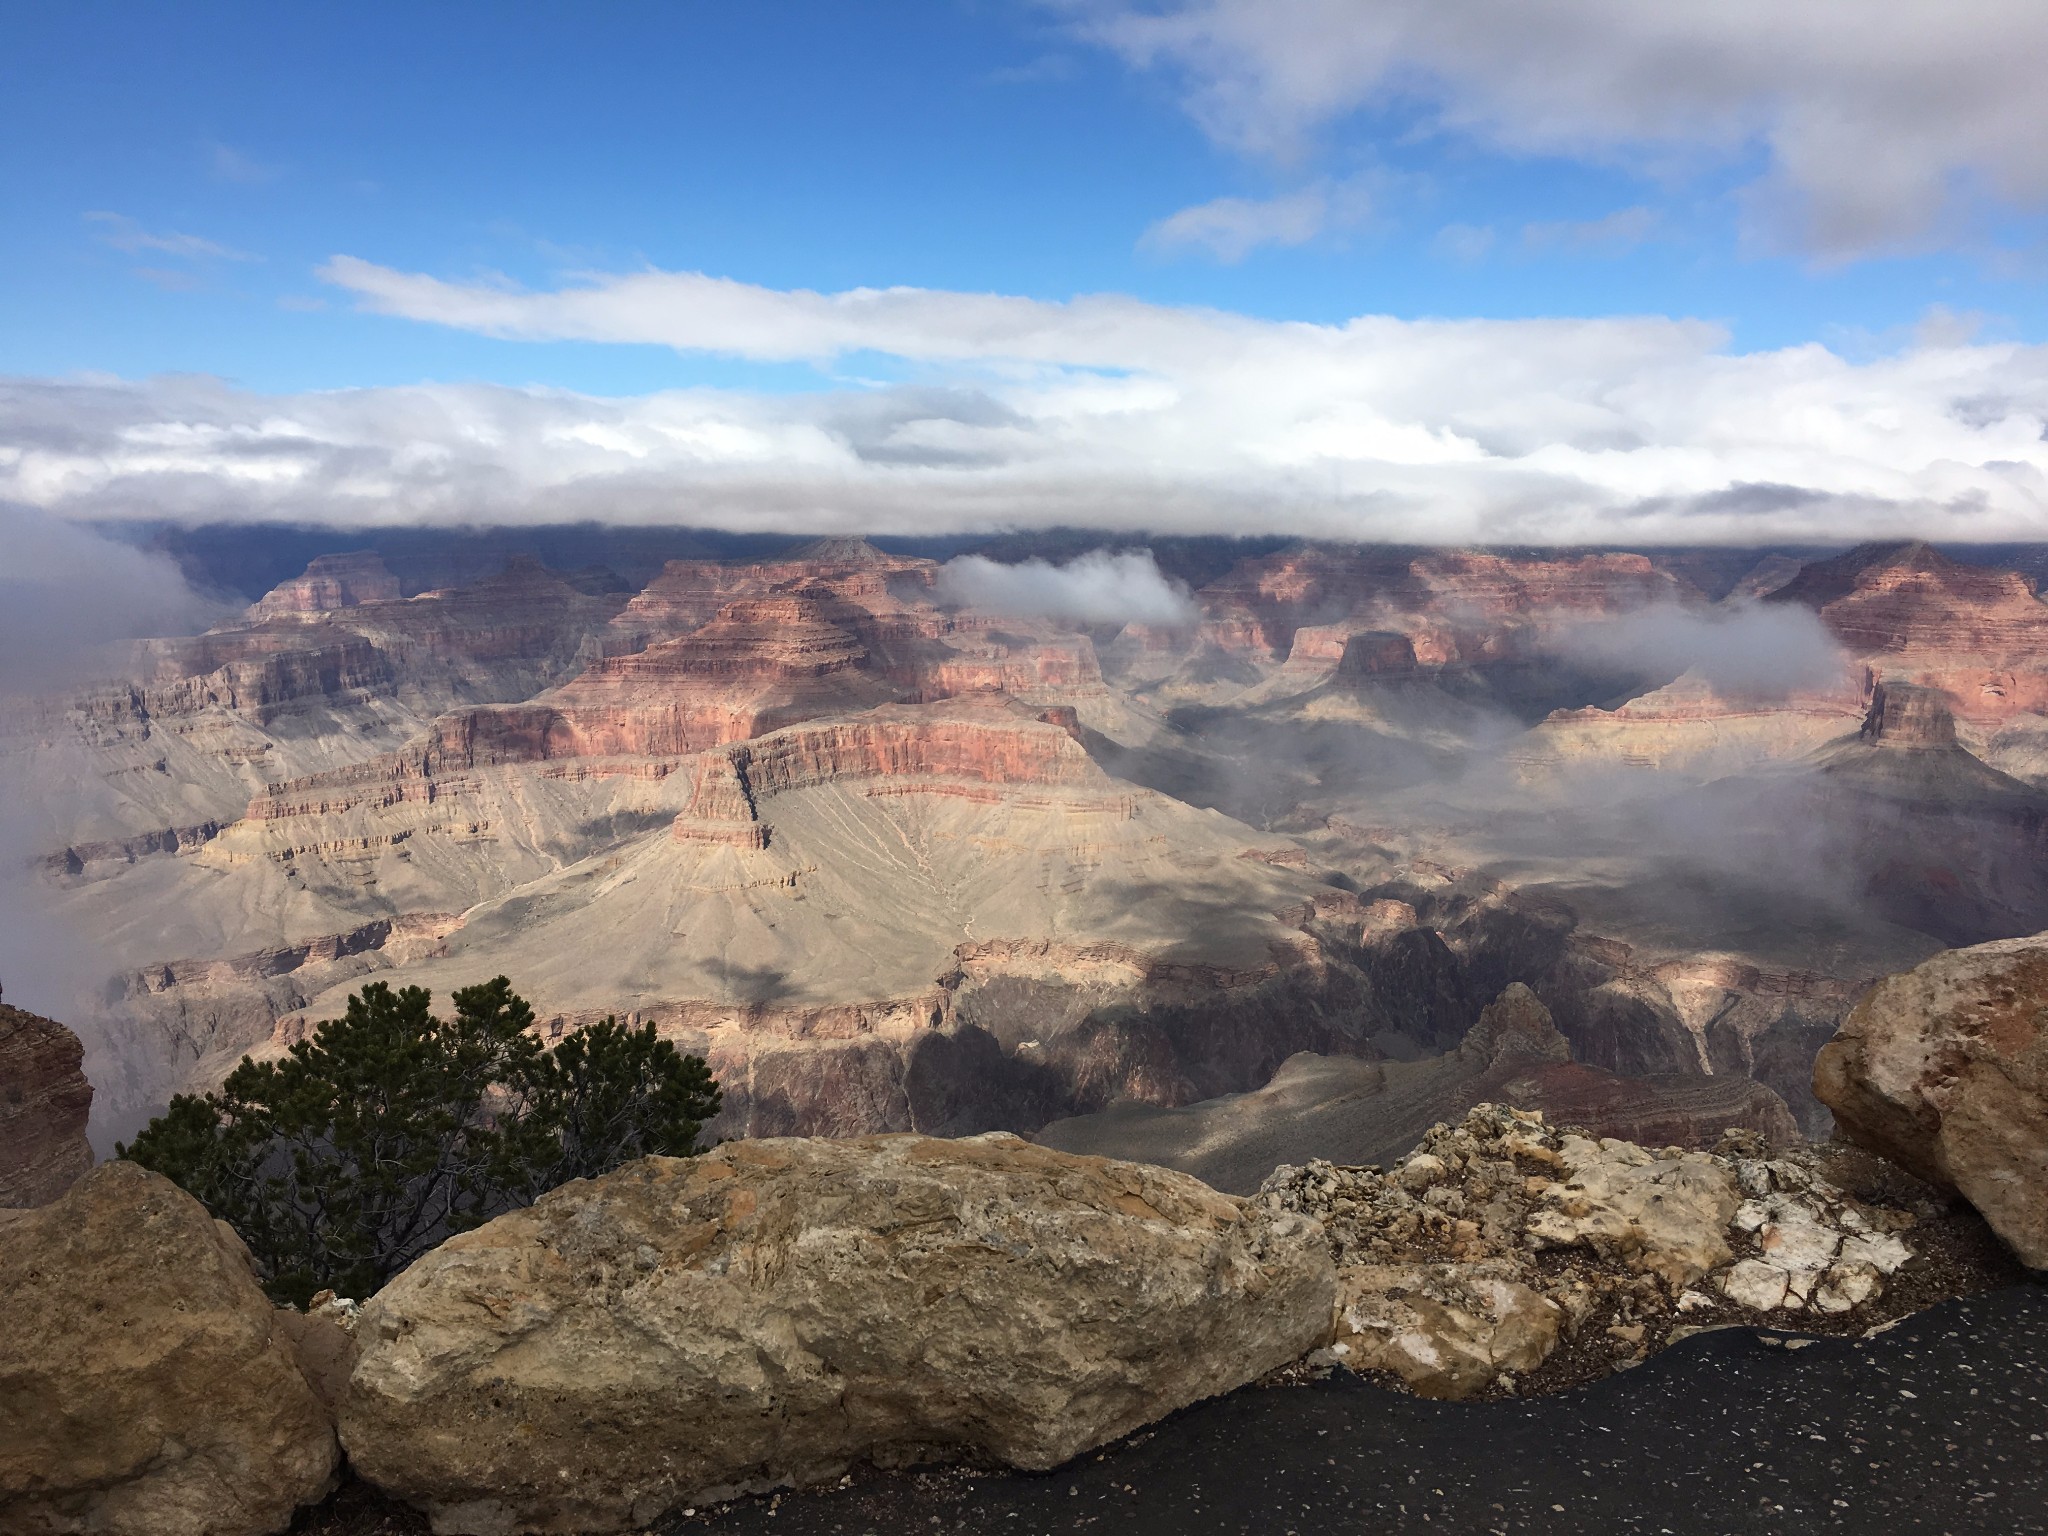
(989, 843)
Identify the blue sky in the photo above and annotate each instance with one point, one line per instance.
(177, 177)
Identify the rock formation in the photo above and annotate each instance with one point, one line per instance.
(894, 863)
(147, 1388)
(1944, 1070)
(1464, 1267)
(1345, 1110)
(773, 1311)
(44, 1103)
(1913, 615)
(331, 582)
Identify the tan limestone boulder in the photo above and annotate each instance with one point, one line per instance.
(147, 1387)
(775, 1310)
(1447, 1330)
(1944, 1070)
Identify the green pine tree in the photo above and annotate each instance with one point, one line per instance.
(390, 1129)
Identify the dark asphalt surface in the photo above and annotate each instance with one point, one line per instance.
(1939, 1426)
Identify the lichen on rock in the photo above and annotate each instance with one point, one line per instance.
(1463, 1268)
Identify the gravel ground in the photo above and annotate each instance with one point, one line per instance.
(1938, 1425)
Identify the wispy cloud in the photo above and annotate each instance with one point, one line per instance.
(230, 164)
(1100, 409)
(125, 234)
(1097, 588)
(1231, 228)
(1613, 235)
(1466, 244)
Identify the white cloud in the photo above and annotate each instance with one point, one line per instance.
(230, 164)
(1102, 409)
(1097, 588)
(124, 234)
(1878, 118)
(1231, 228)
(1614, 234)
(1465, 244)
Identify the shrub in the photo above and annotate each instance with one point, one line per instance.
(389, 1129)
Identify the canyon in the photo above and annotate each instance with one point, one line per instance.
(893, 863)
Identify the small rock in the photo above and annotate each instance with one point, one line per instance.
(1756, 1285)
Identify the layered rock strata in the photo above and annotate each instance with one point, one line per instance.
(1913, 615)
(44, 1104)
(773, 1311)
(1944, 1070)
(147, 1388)
(331, 582)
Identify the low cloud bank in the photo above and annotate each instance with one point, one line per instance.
(69, 597)
(1748, 651)
(1102, 410)
(1098, 588)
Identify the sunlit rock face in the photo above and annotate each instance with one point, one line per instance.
(894, 1300)
(1505, 1238)
(330, 582)
(894, 863)
(1945, 1070)
(1913, 615)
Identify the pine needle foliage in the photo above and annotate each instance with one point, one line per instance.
(390, 1129)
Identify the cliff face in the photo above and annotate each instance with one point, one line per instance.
(44, 1102)
(1454, 606)
(330, 582)
(1354, 1112)
(1913, 615)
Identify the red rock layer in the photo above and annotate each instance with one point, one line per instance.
(126, 850)
(992, 743)
(1913, 615)
(44, 1102)
(1453, 605)
(330, 582)
(333, 638)
(410, 933)
(689, 593)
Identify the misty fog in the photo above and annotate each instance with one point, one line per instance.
(1741, 651)
(1126, 587)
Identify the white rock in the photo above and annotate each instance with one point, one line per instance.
(1756, 1285)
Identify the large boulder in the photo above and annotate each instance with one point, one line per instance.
(146, 1385)
(44, 1102)
(773, 1311)
(1944, 1070)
